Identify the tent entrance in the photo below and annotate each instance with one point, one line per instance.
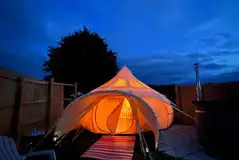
(113, 115)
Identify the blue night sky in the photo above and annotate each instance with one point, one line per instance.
(159, 40)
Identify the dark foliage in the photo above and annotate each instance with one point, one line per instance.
(81, 57)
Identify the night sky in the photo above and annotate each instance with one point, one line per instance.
(159, 40)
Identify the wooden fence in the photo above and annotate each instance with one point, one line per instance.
(185, 95)
(26, 104)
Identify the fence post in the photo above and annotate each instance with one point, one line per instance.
(178, 97)
(178, 103)
(50, 102)
(15, 123)
(75, 90)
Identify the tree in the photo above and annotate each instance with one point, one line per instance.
(82, 57)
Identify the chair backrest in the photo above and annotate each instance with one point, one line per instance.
(8, 149)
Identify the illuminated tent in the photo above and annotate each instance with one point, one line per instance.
(123, 105)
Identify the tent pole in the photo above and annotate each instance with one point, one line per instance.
(85, 112)
(147, 148)
(174, 107)
(77, 134)
(61, 139)
(47, 133)
(141, 143)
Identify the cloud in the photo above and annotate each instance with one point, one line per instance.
(206, 28)
(177, 68)
(159, 69)
(224, 35)
(214, 55)
(23, 37)
(21, 24)
(232, 43)
(209, 41)
(214, 40)
(27, 29)
(231, 76)
(31, 26)
(213, 66)
(30, 65)
(133, 28)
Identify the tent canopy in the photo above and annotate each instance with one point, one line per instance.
(123, 105)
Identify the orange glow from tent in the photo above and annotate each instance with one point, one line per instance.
(134, 83)
(118, 107)
(125, 120)
(104, 109)
(120, 83)
(143, 85)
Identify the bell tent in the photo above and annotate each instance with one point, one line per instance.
(123, 105)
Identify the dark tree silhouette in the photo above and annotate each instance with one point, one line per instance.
(81, 57)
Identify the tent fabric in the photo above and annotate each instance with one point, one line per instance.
(118, 107)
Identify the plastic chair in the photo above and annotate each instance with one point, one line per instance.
(8, 151)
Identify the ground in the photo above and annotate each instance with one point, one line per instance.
(181, 141)
(176, 143)
(69, 150)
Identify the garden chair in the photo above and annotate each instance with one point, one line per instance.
(8, 151)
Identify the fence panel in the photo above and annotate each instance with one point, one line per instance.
(185, 95)
(34, 105)
(57, 102)
(8, 89)
(26, 104)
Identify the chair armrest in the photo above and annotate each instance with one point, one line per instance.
(51, 154)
